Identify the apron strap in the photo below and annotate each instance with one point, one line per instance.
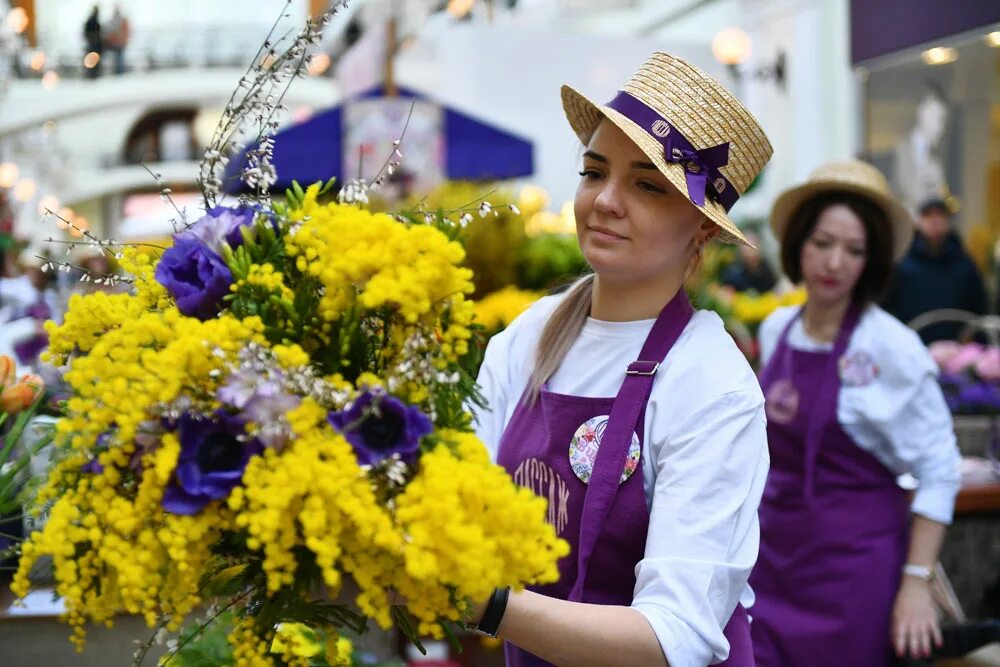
(625, 411)
(825, 408)
(780, 361)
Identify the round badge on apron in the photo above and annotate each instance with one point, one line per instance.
(585, 443)
(782, 401)
(857, 369)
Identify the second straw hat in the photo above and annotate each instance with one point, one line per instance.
(852, 177)
(696, 133)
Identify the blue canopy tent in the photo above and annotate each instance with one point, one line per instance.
(313, 150)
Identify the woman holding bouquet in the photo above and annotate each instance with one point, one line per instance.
(634, 415)
(852, 403)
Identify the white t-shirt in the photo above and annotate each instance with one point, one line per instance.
(704, 463)
(896, 410)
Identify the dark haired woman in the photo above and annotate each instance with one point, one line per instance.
(852, 404)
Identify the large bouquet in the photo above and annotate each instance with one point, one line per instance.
(279, 405)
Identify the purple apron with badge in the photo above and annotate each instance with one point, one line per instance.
(551, 447)
(834, 524)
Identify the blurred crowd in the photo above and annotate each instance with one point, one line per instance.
(33, 290)
(110, 36)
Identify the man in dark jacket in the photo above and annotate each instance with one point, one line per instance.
(936, 273)
(749, 272)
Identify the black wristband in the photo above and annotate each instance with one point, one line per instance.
(495, 608)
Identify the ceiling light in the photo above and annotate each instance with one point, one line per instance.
(48, 203)
(17, 20)
(8, 174)
(939, 55)
(731, 46)
(459, 8)
(25, 189)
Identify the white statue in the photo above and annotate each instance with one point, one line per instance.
(919, 172)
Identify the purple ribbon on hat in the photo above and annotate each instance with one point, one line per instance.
(701, 166)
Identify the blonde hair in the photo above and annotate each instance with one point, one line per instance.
(559, 334)
(566, 323)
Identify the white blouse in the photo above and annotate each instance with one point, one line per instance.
(704, 465)
(894, 407)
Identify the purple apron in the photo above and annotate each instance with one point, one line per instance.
(606, 520)
(834, 524)
(28, 350)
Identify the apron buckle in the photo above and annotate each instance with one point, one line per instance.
(642, 368)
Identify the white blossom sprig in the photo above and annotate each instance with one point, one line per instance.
(258, 99)
(165, 196)
(465, 214)
(395, 158)
(109, 246)
(50, 265)
(356, 190)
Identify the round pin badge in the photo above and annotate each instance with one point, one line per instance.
(587, 441)
(857, 369)
(782, 402)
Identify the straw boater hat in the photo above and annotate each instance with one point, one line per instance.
(696, 133)
(853, 177)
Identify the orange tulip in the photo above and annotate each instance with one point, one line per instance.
(8, 370)
(22, 395)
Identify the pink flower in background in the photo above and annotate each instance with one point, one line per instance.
(988, 366)
(968, 355)
(943, 350)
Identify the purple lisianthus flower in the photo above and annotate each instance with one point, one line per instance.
(262, 400)
(952, 386)
(219, 225)
(379, 426)
(979, 398)
(269, 401)
(214, 454)
(195, 276)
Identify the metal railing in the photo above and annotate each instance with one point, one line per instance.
(168, 47)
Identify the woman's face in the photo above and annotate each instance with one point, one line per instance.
(834, 255)
(633, 224)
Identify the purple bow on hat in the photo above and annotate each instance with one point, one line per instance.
(701, 166)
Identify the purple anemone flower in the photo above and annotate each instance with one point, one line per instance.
(379, 426)
(214, 454)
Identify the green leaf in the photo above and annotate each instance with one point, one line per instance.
(225, 580)
(249, 237)
(209, 649)
(401, 617)
(450, 635)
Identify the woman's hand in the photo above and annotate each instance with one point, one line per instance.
(914, 619)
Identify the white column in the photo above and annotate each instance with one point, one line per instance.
(814, 118)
